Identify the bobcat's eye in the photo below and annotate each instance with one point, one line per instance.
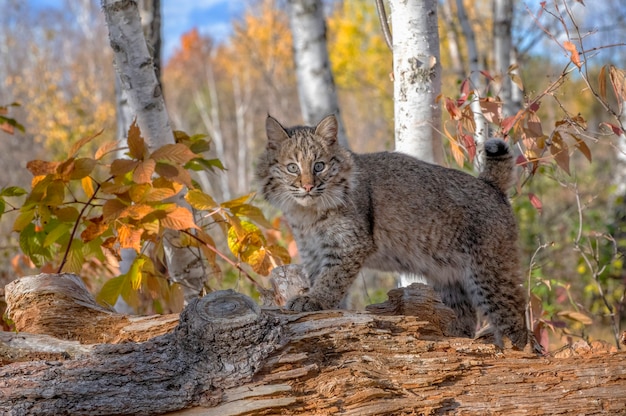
(292, 168)
(318, 167)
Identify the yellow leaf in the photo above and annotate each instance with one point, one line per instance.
(199, 200)
(87, 184)
(237, 201)
(576, 316)
(457, 153)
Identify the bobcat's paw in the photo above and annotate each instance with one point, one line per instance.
(304, 303)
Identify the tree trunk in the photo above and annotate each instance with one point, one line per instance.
(481, 129)
(138, 78)
(417, 78)
(504, 55)
(316, 87)
(234, 358)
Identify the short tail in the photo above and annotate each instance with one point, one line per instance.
(499, 164)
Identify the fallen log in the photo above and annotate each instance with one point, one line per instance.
(228, 356)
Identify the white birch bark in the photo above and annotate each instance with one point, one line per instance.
(417, 78)
(481, 133)
(136, 71)
(504, 55)
(316, 87)
(417, 83)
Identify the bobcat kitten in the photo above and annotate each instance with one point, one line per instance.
(392, 212)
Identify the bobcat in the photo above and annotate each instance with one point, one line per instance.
(392, 212)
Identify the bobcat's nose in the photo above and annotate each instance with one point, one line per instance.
(307, 187)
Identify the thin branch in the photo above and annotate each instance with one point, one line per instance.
(226, 259)
(384, 23)
(80, 215)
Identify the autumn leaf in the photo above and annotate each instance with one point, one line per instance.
(87, 185)
(112, 208)
(144, 170)
(535, 202)
(560, 151)
(79, 144)
(129, 237)
(571, 48)
(617, 77)
(582, 147)
(120, 167)
(42, 167)
(105, 149)
(174, 153)
(576, 316)
(136, 143)
(179, 219)
(199, 200)
(95, 228)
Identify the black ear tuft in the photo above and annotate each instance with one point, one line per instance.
(496, 147)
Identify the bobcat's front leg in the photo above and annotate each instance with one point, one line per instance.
(333, 258)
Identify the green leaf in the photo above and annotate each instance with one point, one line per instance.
(199, 164)
(13, 191)
(75, 258)
(24, 219)
(59, 230)
(111, 290)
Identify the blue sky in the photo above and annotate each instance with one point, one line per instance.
(211, 17)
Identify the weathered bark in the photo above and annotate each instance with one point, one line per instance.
(417, 78)
(231, 355)
(316, 86)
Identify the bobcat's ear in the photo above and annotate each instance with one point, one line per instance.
(276, 133)
(327, 130)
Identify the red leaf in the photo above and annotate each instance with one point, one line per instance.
(535, 202)
(508, 123)
(486, 75)
(452, 109)
(616, 130)
(534, 107)
(470, 145)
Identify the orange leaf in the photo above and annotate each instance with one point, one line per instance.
(76, 146)
(560, 152)
(104, 149)
(129, 237)
(571, 48)
(121, 167)
(179, 219)
(82, 168)
(42, 167)
(136, 144)
(176, 153)
(112, 209)
(143, 171)
(95, 228)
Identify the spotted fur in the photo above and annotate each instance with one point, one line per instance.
(390, 211)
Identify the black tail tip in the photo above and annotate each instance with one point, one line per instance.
(496, 147)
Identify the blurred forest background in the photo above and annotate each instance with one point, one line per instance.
(58, 65)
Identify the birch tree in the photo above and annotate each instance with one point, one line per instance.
(481, 128)
(505, 56)
(135, 69)
(316, 87)
(417, 78)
